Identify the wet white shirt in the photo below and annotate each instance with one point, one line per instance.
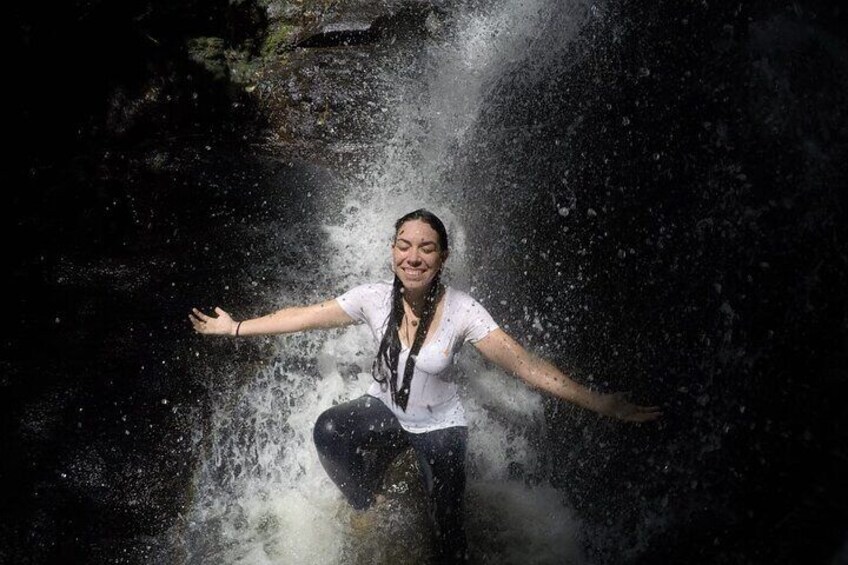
(434, 401)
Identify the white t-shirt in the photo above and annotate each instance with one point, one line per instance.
(433, 396)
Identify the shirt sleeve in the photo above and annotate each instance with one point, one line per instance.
(478, 322)
(356, 301)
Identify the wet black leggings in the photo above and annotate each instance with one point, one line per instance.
(358, 440)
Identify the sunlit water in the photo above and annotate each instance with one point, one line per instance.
(260, 493)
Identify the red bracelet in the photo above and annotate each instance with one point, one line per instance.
(237, 328)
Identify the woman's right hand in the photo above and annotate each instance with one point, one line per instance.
(222, 324)
(618, 405)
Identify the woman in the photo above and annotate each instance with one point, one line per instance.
(413, 402)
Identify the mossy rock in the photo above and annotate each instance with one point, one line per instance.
(279, 38)
(208, 52)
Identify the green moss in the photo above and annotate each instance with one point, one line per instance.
(243, 71)
(209, 53)
(278, 39)
(222, 62)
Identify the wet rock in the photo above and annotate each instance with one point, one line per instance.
(367, 21)
(322, 94)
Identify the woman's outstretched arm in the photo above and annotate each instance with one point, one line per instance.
(502, 350)
(287, 320)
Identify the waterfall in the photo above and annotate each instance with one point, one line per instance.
(261, 495)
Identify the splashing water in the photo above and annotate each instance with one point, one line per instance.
(261, 495)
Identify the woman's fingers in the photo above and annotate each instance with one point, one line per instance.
(630, 412)
(197, 322)
(648, 416)
(645, 413)
(200, 315)
(202, 322)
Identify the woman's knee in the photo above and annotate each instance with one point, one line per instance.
(325, 432)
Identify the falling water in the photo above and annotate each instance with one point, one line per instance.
(261, 495)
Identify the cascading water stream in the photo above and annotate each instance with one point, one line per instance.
(261, 495)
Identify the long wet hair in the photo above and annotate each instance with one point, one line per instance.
(385, 367)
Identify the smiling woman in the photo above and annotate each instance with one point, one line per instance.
(419, 325)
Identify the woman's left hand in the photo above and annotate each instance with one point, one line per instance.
(617, 405)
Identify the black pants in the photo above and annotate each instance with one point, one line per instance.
(358, 440)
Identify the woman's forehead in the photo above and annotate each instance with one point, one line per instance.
(417, 230)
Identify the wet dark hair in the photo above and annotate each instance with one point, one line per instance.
(385, 368)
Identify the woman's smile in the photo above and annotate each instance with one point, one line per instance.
(417, 255)
(413, 272)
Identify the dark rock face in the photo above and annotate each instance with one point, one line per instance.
(692, 164)
(682, 181)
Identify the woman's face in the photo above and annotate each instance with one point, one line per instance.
(417, 255)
